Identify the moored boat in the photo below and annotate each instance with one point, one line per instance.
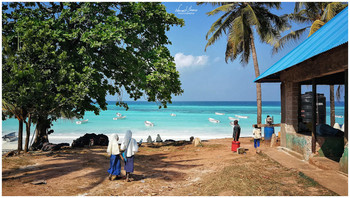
(82, 121)
(339, 116)
(232, 118)
(213, 120)
(148, 123)
(10, 137)
(239, 116)
(173, 114)
(119, 118)
(217, 113)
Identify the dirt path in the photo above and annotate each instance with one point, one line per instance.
(165, 171)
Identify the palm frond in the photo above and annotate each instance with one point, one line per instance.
(216, 25)
(292, 36)
(298, 6)
(298, 17)
(315, 26)
(219, 27)
(213, 3)
(225, 8)
(331, 10)
(338, 92)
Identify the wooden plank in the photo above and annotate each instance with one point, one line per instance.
(267, 125)
(314, 95)
(346, 107)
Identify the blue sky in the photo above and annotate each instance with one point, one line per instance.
(205, 76)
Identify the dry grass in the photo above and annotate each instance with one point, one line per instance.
(245, 178)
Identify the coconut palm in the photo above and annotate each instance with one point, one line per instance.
(239, 21)
(313, 14)
(317, 14)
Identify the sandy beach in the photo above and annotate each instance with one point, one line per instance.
(173, 170)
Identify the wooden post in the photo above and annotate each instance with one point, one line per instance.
(314, 116)
(346, 107)
(299, 106)
(331, 100)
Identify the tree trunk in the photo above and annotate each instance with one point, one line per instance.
(257, 74)
(20, 135)
(41, 133)
(331, 98)
(26, 145)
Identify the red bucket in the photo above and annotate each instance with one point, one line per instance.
(235, 145)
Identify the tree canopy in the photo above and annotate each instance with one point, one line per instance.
(62, 59)
(74, 54)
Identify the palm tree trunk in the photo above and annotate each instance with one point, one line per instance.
(331, 98)
(20, 135)
(257, 74)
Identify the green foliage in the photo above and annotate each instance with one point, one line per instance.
(62, 59)
(315, 13)
(238, 21)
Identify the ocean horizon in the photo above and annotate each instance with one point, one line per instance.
(191, 120)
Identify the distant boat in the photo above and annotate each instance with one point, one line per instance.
(213, 120)
(339, 116)
(119, 118)
(119, 114)
(217, 113)
(148, 123)
(173, 114)
(239, 116)
(10, 137)
(82, 121)
(232, 123)
(233, 119)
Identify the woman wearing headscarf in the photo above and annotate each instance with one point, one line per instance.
(113, 151)
(129, 145)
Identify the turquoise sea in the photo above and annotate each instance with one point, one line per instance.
(191, 120)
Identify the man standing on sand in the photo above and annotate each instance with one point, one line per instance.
(236, 130)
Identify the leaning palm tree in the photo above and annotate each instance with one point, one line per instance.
(238, 22)
(314, 15)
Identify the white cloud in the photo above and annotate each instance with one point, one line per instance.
(187, 61)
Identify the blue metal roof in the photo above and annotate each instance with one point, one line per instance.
(331, 35)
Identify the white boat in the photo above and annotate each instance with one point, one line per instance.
(119, 114)
(173, 114)
(339, 116)
(119, 118)
(233, 119)
(82, 121)
(213, 120)
(239, 116)
(217, 113)
(148, 123)
(10, 137)
(232, 124)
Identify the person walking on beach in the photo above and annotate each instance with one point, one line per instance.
(236, 130)
(129, 145)
(113, 151)
(257, 137)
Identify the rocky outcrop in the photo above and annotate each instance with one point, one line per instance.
(90, 140)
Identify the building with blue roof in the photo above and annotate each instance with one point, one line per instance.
(322, 59)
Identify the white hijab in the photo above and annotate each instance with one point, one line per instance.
(129, 144)
(113, 147)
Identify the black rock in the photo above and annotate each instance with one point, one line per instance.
(101, 140)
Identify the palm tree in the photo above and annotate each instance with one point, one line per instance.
(317, 14)
(238, 22)
(314, 14)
